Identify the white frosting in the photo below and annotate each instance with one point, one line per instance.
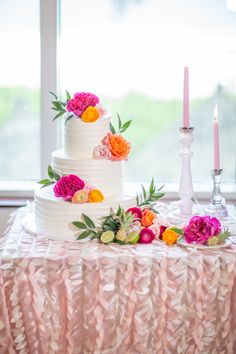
(80, 138)
(105, 175)
(54, 216)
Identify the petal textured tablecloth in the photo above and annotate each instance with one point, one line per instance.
(84, 298)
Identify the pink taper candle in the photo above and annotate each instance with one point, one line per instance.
(216, 141)
(186, 100)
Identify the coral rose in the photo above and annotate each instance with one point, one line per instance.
(67, 186)
(95, 196)
(148, 217)
(118, 146)
(90, 115)
(80, 196)
(169, 236)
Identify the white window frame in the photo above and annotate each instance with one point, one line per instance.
(16, 192)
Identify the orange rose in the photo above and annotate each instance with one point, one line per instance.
(95, 196)
(90, 115)
(118, 146)
(147, 217)
(169, 236)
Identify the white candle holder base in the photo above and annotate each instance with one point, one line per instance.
(216, 207)
(185, 204)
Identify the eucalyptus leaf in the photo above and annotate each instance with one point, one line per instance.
(125, 126)
(79, 225)
(54, 95)
(89, 222)
(50, 172)
(69, 118)
(83, 235)
(119, 121)
(112, 129)
(68, 96)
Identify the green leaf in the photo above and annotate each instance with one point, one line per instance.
(43, 181)
(69, 118)
(56, 176)
(119, 211)
(56, 104)
(89, 222)
(47, 184)
(152, 187)
(79, 225)
(59, 114)
(83, 235)
(120, 242)
(68, 96)
(125, 126)
(54, 95)
(161, 187)
(177, 230)
(50, 172)
(144, 192)
(119, 121)
(112, 129)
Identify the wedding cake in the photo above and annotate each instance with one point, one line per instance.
(86, 176)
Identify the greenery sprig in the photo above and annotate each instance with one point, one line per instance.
(53, 177)
(122, 127)
(112, 222)
(60, 106)
(149, 196)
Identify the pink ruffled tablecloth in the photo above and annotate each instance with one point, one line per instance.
(84, 298)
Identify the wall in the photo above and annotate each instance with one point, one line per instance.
(4, 216)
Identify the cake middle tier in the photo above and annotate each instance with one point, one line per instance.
(105, 175)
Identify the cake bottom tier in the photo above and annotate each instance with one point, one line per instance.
(54, 216)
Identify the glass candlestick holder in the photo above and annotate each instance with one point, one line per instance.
(216, 207)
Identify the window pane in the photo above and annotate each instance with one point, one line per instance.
(132, 54)
(19, 89)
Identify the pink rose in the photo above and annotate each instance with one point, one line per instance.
(101, 152)
(201, 228)
(80, 102)
(67, 186)
(101, 110)
(137, 212)
(146, 236)
(156, 229)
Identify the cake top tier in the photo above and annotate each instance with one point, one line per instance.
(88, 130)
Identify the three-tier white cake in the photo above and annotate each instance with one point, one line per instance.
(54, 216)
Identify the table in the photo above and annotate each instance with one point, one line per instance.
(60, 297)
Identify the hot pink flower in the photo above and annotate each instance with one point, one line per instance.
(80, 102)
(201, 228)
(146, 236)
(101, 152)
(67, 186)
(137, 212)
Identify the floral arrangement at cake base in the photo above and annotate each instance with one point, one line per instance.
(83, 105)
(204, 230)
(114, 146)
(71, 188)
(140, 224)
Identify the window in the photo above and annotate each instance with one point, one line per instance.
(19, 89)
(132, 53)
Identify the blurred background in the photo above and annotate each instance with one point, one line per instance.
(131, 53)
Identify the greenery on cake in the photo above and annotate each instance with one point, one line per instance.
(71, 188)
(122, 127)
(83, 105)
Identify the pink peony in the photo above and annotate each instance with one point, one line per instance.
(101, 152)
(80, 102)
(201, 228)
(137, 212)
(67, 186)
(146, 236)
